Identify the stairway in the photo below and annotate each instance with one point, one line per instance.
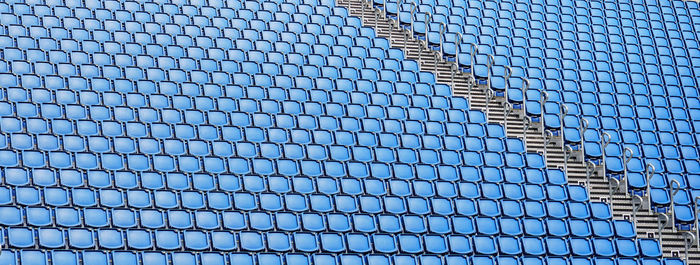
(673, 243)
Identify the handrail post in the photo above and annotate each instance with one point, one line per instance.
(626, 157)
(384, 11)
(590, 169)
(413, 19)
(453, 70)
(524, 88)
(442, 35)
(426, 27)
(697, 219)
(583, 129)
(563, 110)
(548, 136)
(688, 240)
(473, 52)
(649, 173)
(506, 86)
(675, 188)
(458, 42)
(490, 95)
(438, 56)
(568, 151)
(543, 98)
(527, 122)
(637, 204)
(376, 14)
(489, 66)
(398, 14)
(604, 141)
(508, 109)
(663, 222)
(613, 187)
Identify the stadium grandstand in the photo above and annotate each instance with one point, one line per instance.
(349, 132)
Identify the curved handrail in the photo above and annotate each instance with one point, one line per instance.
(563, 110)
(637, 204)
(524, 88)
(590, 169)
(489, 66)
(548, 136)
(413, 15)
(453, 71)
(626, 157)
(442, 34)
(663, 222)
(543, 99)
(428, 19)
(568, 152)
(473, 52)
(384, 9)
(458, 42)
(506, 78)
(648, 174)
(527, 122)
(508, 108)
(399, 3)
(583, 129)
(675, 188)
(697, 219)
(689, 240)
(605, 140)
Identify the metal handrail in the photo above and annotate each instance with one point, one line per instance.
(649, 173)
(543, 99)
(689, 239)
(604, 142)
(527, 122)
(489, 66)
(583, 129)
(697, 219)
(508, 73)
(458, 42)
(674, 190)
(442, 34)
(637, 204)
(438, 56)
(626, 157)
(568, 152)
(663, 222)
(413, 15)
(384, 11)
(590, 169)
(508, 108)
(473, 52)
(563, 110)
(548, 136)
(524, 88)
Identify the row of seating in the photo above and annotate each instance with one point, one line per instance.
(215, 258)
(328, 242)
(192, 164)
(155, 180)
(109, 198)
(107, 186)
(389, 96)
(314, 222)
